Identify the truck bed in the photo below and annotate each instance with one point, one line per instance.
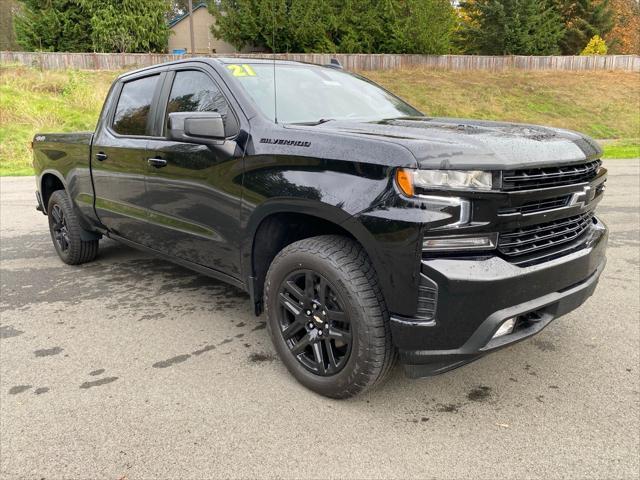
(64, 158)
(61, 151)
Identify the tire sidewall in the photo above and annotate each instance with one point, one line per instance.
(333, 385)
(57, 199)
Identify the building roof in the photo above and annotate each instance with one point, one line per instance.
(175, 20)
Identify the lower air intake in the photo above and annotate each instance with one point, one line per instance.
(427, 298)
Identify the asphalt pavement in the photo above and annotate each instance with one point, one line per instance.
(133, 367)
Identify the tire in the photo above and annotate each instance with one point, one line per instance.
(66, 231)
(348, 307)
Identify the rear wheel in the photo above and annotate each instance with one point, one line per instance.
(66, 231)
(326, 316)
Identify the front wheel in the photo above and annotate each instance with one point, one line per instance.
(327, 317)
(66, 231)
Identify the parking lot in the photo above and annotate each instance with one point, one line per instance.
(133, 367)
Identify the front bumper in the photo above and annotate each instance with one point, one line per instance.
(476, 295)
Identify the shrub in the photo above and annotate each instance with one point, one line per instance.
(596, 46)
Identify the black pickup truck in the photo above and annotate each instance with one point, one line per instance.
(365, 230)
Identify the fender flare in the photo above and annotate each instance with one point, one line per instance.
(86, 234)
(55, 173)
(313, 208)
(40, 186)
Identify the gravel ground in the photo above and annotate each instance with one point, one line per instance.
(133, 367)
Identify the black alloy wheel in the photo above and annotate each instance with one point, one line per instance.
(73, 244)
(327, 317)
(59, 228)
(313, 322)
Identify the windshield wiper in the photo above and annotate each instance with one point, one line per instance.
(318, 122)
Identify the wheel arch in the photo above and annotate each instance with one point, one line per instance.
(280, 224)
(50, 181)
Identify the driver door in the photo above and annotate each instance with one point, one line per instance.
(193, 190)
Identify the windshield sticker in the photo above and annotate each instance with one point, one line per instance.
(243, 70)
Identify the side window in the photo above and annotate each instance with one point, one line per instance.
(194, 91)
(133, 106)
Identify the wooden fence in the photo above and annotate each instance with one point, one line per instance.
(116, 61)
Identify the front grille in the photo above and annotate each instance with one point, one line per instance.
(537, 206)
(549, 176)
(544, 237)
(427, 298)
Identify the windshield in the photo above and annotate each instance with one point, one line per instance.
(309, 94)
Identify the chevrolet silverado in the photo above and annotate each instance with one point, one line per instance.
(364, 230)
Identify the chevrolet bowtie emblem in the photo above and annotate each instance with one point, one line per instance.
(584, 197)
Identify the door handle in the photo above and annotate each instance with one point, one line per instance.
(157, 162)
(100, 156)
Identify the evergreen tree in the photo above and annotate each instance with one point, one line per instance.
(54, 26)
(312, 26)
(511, 27)
(393, 37)
(583, 19)
(93, 25)
(359, 27)
(237, 22)
(349, 26)
(396, 26)
(276, 25)
(128, 25)
(425, 27)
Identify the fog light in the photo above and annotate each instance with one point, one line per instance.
(506, 328)
(479, 242)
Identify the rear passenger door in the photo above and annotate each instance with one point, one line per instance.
(193, 194)
(119, 156)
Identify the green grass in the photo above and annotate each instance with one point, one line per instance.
(33, 101)
(622, 149)
(601, 104)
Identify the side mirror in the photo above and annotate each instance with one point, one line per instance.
(196, 127)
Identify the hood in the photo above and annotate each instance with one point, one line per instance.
(450, 143)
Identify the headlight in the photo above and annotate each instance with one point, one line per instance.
(409, 180)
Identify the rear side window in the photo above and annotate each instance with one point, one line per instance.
(194, 91)
(132, 111)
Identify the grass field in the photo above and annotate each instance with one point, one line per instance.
(602, 104)
(32, 101)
